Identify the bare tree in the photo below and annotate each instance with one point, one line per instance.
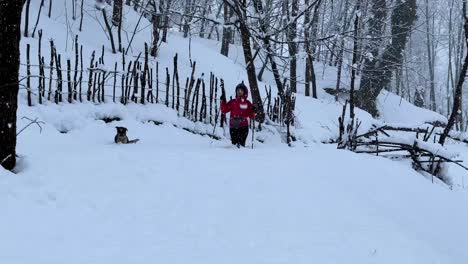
(377, 71)
(292, 45)
(166, 20)
(10, 29)
(156, 20)
(109, 30)
(117, 12)
(310, 33)
(430, 56)
(240, 9)
(227, 30)
(459, 88)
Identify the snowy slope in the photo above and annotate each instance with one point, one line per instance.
(177, 197)
(180, 198)
(395, 109)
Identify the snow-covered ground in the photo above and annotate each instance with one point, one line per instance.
(182, 198)
(179, 197)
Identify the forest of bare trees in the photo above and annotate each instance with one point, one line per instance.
(414, 48)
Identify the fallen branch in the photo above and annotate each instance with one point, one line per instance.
(31, 122)
(425, 131)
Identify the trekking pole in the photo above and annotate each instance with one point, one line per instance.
(216, 122)
(223, 98)
(253, 131)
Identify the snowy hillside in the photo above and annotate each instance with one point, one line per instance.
(182, 196)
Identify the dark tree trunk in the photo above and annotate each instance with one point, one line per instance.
(26, 17)
(109, 29)
(430, 60)
(166, 21)
(310, 33)
(292, 46)
(267, 44)
(49, 14)
(81, 16)
(206, 8)
(227, 31)
(456, 110)
(38, 17)
(240, 10)
(10, 29)
(339, 56)
(307, 50)
(355, 59)
(154, 46)
(119, 34)
(377, 72)
(187, 17)
(117, 12)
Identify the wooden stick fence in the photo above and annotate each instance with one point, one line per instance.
(134, 81)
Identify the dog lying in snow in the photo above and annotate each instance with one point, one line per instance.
(121, 137)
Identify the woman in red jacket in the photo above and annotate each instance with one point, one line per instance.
(240, 109)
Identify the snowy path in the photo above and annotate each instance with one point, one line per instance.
(176, 198)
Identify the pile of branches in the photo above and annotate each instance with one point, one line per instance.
(394, 142)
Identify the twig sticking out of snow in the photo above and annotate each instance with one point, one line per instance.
(31, 122)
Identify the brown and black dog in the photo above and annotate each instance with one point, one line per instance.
(121, 137)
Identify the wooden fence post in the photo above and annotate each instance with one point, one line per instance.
(168, 80)
(90, 77)
(28, 72)
(69, 82)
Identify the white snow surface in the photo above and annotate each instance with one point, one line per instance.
(177, 197)
(394, 109)
(182, 198)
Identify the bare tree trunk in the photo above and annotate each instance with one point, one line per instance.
(398, 81)
(119, 33)
(339, 58)
(117, 12)
(109, 30)
(310, 33)
(206, 9)
(81, 14)
(38, 17)
(252, 76)
(166, 20)
(450, 54)
(49, 14)
(214, 25)
(292, 45)
(154, 45)
(187, 17)
(311, 56)
(267, 44)
(308, 51)
(240, 10)
(10, 29)
(459, 89)
(355, 59)
(227, 30)
(26, 18)
(430, 59)
(377, 72)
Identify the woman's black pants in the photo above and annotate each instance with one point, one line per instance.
(239, 135)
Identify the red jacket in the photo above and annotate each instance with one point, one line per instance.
(240, 109)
